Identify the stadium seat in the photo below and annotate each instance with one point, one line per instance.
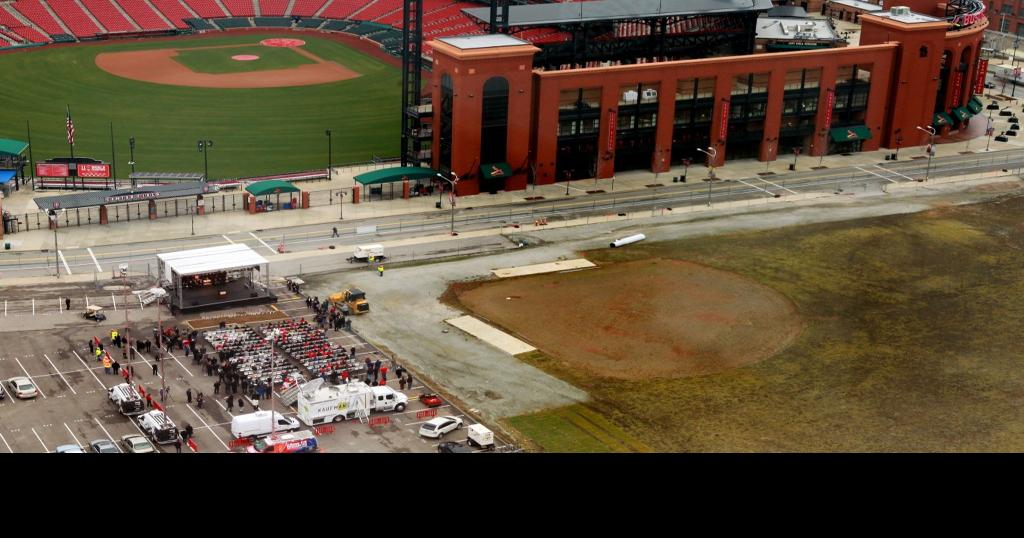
(239, 8)
(173, 10)
(341, 9)
(306, 8)
(378, 8)
(143, 15)
(108, 15)
(34, 11)
(273, 8)
(206, 8)
(18, 32)
(74, 18)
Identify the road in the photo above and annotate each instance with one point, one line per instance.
(141, 256)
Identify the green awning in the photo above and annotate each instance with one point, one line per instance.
(975, 105)
(273, 186)
(941, 119)
(495, 171)
(851, 133)
(961, 113)
(12, 147)
(390, 175)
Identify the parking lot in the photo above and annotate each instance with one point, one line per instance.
(72, 406)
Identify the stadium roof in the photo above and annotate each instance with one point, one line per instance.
(575, 12)
(208, 260)
(482, 41)
(120, 196)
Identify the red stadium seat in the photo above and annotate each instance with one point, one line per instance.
(108, 15)
(74, 18)
(341, 9)
(173, 10)
(143, 15)
(306, 8)
(206, 8)
(34, 11)
(239, 8)
(273, 8)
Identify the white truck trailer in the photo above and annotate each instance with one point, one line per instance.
(363, 253)
(319, 402)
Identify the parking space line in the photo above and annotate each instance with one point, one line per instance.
(33, 306)
(113, 300)
(100, 424)
(224, 408)
(60, 307)
(73, 436)
(89, 369)
(272, 251)
(9, 449)
(39, 390)
(73, 391)
(40, 440)
(180, 364)
(93, 256)
(228, 239)
(65, 262)
(143, 357)
(205, 424)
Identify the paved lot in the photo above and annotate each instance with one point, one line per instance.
(72, 407)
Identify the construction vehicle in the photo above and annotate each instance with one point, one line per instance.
(351, 301)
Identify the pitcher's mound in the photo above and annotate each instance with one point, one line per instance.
(638, 320)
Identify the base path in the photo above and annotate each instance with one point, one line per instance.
(158, 66)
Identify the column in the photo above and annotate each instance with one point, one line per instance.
(829, 72)
(720, 117)
(773, 115)
(662, 157)
(546, 149)
(609, 126)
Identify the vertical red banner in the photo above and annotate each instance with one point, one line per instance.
(979, 80)
(830, 102)
(723, 126)
(613, 124)
(958, 80)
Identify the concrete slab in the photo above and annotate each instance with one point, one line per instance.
(499, 339)
(562, 265)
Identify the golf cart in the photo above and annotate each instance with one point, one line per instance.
(94, 312)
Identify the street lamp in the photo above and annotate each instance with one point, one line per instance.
(192, 215)
(686, 168)
(160, 293)
(330, 159)
(899, 142)
(204, 147)
(56, 252)
(341, 209)
(931, 148)
(451, 196)
(711, 153)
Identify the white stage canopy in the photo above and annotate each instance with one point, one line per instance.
(209, 260)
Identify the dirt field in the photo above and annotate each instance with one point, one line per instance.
(158, 66)
(636, 320)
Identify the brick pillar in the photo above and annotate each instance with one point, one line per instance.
(251, 200)
(405, 189)
(661, 160)
(103, 214)
(305, 200)
(355, 194)
(773, 116)
(819, 141)
(151, 209)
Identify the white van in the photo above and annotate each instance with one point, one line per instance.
(259, 423)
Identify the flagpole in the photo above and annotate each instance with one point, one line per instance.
(71, 138)
(113, 156)
(31, 160)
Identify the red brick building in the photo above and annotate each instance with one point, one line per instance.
(500, 124)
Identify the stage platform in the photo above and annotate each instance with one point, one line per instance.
(237, 294)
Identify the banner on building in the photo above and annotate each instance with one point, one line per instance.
(723, 127)
(979, 80)
(613, 123)
(830, 101)
(958, 80)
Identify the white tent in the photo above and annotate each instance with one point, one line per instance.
(249, 285)
(208, 260)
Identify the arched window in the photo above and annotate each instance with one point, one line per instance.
(494, 124)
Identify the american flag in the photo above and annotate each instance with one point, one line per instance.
(71, 129)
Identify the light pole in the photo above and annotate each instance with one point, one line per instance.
(989, 130)
(204, 148)
(711, 153)
(341, 208)
(192, 215)
(56, 253)
(451, 196)
(160, 293)
(131, 148)
(796, 153)
(899, 142)
(127, 329)
(931, 148)
(330, 159)
(686, 168)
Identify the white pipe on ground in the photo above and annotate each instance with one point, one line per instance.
(628, 240)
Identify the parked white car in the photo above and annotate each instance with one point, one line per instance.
(438, 427)
(22, 387)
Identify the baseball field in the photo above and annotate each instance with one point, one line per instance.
(906, 337)
(266, 108)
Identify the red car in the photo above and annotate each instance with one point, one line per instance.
(431, 400)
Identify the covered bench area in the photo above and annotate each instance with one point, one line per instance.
(415, 181)
(266, 196)
(224, 276)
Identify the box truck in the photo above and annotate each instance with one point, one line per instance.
(319, 402)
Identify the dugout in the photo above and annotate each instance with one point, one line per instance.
(225, 276)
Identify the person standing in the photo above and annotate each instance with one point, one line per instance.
(199, 400)
(92, 347)
(149, 400)
(231, 402)
(241, 404)
(177, 446)
(116, 366)
(216, 387)
(188, 395)
(106, 364)
(408, 382)
(155, 369)
(67, 303)
(401, 382)
(380, 270)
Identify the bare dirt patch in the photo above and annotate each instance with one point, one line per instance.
(1003, 186)
(635, 320)
(158, 66)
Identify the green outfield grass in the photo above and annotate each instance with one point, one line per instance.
(219, 60)
(255, 131)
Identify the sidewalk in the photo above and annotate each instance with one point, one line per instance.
(219, 223)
